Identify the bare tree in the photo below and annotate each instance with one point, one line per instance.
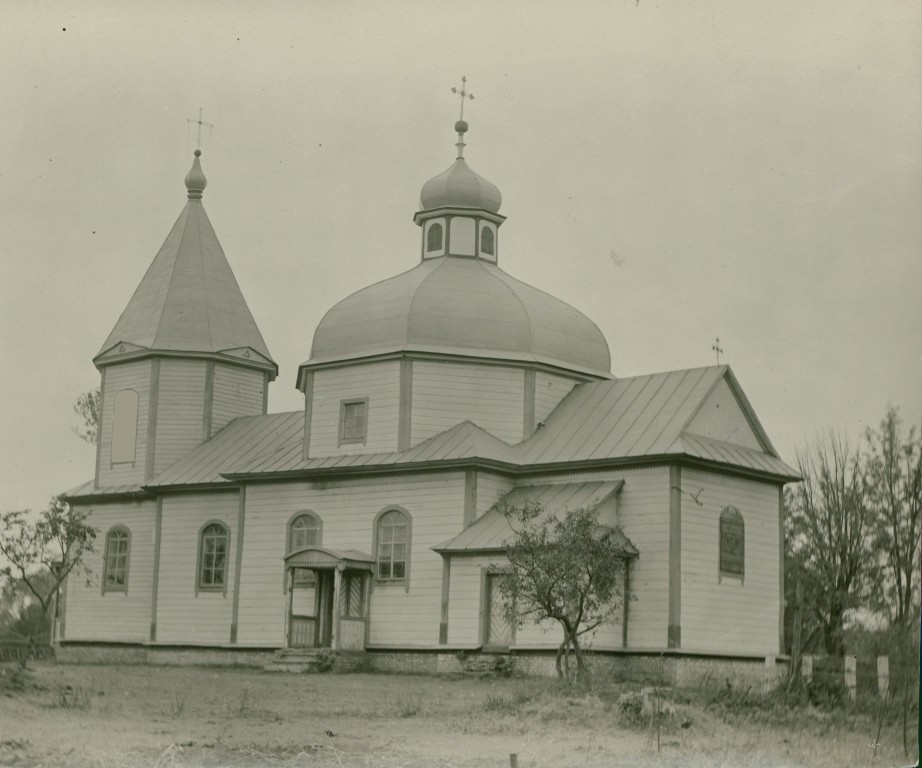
(827, 525)
(894, 471)
(569, 569)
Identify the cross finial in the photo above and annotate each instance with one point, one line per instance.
(462, 92)
(717, 348)
(200, 122)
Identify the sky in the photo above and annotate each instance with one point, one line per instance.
(677, 171)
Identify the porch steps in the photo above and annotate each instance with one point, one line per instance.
(300, 660)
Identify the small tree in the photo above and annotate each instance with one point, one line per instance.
(40, 553)
(87, 408)
(568, 569)
(894, 470)
(827, 523)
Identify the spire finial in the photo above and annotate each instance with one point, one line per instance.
(461, 126)
(195, 179)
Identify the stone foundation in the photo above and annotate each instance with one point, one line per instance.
(683, 671)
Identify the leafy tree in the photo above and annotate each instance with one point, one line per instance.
(20, 613)
(894, 473)
(827, 524)
(568, 569)
(87, 408)
(40, 553)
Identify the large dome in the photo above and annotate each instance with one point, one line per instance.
(463, 307)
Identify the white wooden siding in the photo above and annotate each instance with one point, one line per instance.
(348, 509)
(721, 418)
(549, 391)
(182, 616)
(134, 376)
(237, 392)
(489, 489)
(380, 383)
(114, 616)
(444, 394)
(643, 513)
(180, 410)
(729, 615)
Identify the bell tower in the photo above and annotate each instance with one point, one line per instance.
(185, 357)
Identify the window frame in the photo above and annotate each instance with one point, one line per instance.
(385, 581)
(731, 515)
(343, 440)
(430, 231)
(289, 547)
(123, 588)
(486, 230)
(200, 559)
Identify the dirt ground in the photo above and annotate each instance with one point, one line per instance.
(104, 716)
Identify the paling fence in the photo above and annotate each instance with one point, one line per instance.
(862, 678)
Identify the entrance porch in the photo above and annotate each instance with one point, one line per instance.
(331, 610)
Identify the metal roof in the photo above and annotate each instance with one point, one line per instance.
(189, 300)
(459, 185)
(89, 490)
(492, 530)
(460, 306)
(628, 419)
(323, 558)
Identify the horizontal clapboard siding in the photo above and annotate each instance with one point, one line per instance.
(180, 410)
(237, 392)
(464, 599)
(490, 488)
(729, 615)
(444, 394)
(380, 383)
(114, 616)
(183, 616)
(549, 391)
(134, 376)
(348, 509)
(643, 513)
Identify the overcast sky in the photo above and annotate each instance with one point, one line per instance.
(753, 167)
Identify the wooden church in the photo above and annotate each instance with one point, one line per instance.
(367, 521)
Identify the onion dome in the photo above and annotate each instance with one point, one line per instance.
(458, 186)
(461, 307)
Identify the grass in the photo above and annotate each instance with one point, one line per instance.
(183, 717)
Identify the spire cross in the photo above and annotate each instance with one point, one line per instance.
(463, 94)
(717, 348)
(190, 121)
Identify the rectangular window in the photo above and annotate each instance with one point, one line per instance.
(353, 421)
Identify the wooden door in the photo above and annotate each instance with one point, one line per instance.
(498, 630)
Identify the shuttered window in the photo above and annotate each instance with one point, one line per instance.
(732, 542)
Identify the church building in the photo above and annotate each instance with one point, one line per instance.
(367, 522)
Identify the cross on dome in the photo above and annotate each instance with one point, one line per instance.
(463, 94)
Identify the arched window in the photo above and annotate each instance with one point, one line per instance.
(115, 560)
(487, 241)
(732, 543)
(214, 545)
(303, 531)
(124, 426)
(434, 237)
(392, 545)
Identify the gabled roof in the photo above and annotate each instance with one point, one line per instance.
(491, 531)
(189, 301)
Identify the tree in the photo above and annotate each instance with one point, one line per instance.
(894, 471)
(87, 408)
(827, 524)
(568, 569)
(20, 613)
(41, 553)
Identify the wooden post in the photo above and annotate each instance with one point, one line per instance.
(768, 680)
(806, 666)
(627, 599)
(337, 586)
(883, 675)
(288, 604)
(851, 676)
(513, 760)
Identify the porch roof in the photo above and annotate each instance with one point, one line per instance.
(320, 558)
